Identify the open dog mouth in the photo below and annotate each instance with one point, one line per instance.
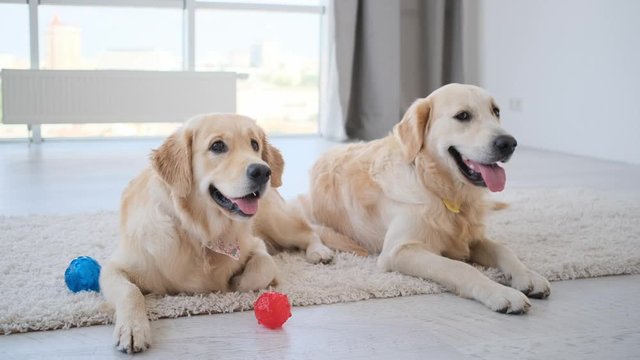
(489, 175)
(244, 206)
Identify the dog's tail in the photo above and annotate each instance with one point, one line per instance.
(330, 237)
(338, 241)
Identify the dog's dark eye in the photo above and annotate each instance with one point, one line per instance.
(218, 147)
(254, 145)
(463, 116)
(496, 112)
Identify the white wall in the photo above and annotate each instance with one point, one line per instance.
(574, 65)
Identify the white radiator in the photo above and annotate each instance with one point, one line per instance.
(104, 96)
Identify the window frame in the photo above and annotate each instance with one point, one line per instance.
(189, 8)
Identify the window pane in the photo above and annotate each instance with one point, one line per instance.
(97, 37)
(277, 58)
(279, 2)
(14, 53)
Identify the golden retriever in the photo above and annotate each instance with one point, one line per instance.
(186, 222)
(417, 197)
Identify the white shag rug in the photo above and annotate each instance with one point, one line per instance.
(560, 233)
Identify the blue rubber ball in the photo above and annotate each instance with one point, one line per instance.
(82, 273)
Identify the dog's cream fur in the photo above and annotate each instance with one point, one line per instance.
(170, 224)
(389, 196)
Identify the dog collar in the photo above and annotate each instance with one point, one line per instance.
(451, 206)
(231, 250)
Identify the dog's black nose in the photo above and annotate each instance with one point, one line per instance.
(505, 144)
(258, 173)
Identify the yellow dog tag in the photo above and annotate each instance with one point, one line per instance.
(454, 208)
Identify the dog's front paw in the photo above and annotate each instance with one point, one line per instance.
(317, 252)
(507, 301)
(531, 284)
(259, 272)
(132, 334)
(245, 283)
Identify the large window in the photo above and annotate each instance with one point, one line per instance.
(273, 46)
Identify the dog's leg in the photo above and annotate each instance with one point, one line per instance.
(417, 259)
(493, 254)
(286, 225)
(259, 272)
(132, 332)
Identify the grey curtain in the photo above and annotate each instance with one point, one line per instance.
(391, 52)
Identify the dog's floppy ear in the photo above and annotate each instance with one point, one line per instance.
(272, 156)
(172, 160)
(411, 130)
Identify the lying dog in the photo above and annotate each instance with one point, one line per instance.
(186, 222)
(417, 197)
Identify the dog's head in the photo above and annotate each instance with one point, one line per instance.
(459, 126)
(225, 159)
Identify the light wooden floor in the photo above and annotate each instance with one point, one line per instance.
(583, 319)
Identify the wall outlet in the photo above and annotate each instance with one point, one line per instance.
(515, 104)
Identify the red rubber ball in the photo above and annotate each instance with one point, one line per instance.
(272, 309)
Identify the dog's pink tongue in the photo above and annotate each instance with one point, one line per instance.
(247, 206)
(493, 175)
